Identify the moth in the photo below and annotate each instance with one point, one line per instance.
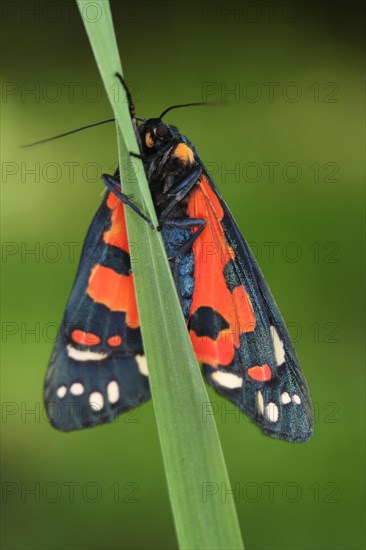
(98, 368)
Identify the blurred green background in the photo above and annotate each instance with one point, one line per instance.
(293, 134)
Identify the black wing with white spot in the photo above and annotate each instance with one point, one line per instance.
(242, 340)
(98, 368)
(93, 387)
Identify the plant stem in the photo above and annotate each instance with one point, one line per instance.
(192, 454)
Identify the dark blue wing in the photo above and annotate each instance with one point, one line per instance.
(287, 393)
(237, 330)
(97, 368)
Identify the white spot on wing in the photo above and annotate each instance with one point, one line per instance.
(285, 398)
(227, 379)
(87, 355)
(279, 350)
(96, 401)
(259, 402)
(272, 412)
(142, 364)
(61, 391)
(77, 388)
(113, 392)
(296, 399)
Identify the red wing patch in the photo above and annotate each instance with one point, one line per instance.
(105, 286)
(115, 291)
(114, 341)
(117, 234)
(214, 352)
(85, 338)
(212, 253)
(260, 373)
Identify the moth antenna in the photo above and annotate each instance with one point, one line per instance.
(131, 105)
(195, 104)
(67, 133)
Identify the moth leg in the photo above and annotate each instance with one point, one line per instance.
(111, 183)
(179, 191)
(136, 155)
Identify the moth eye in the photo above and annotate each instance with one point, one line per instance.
(161, 130)
(149, 140)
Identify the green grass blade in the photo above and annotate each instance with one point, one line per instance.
(191, 448)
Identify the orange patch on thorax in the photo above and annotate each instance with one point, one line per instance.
(184, 153)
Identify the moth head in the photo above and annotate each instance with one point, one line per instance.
(154, 133)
